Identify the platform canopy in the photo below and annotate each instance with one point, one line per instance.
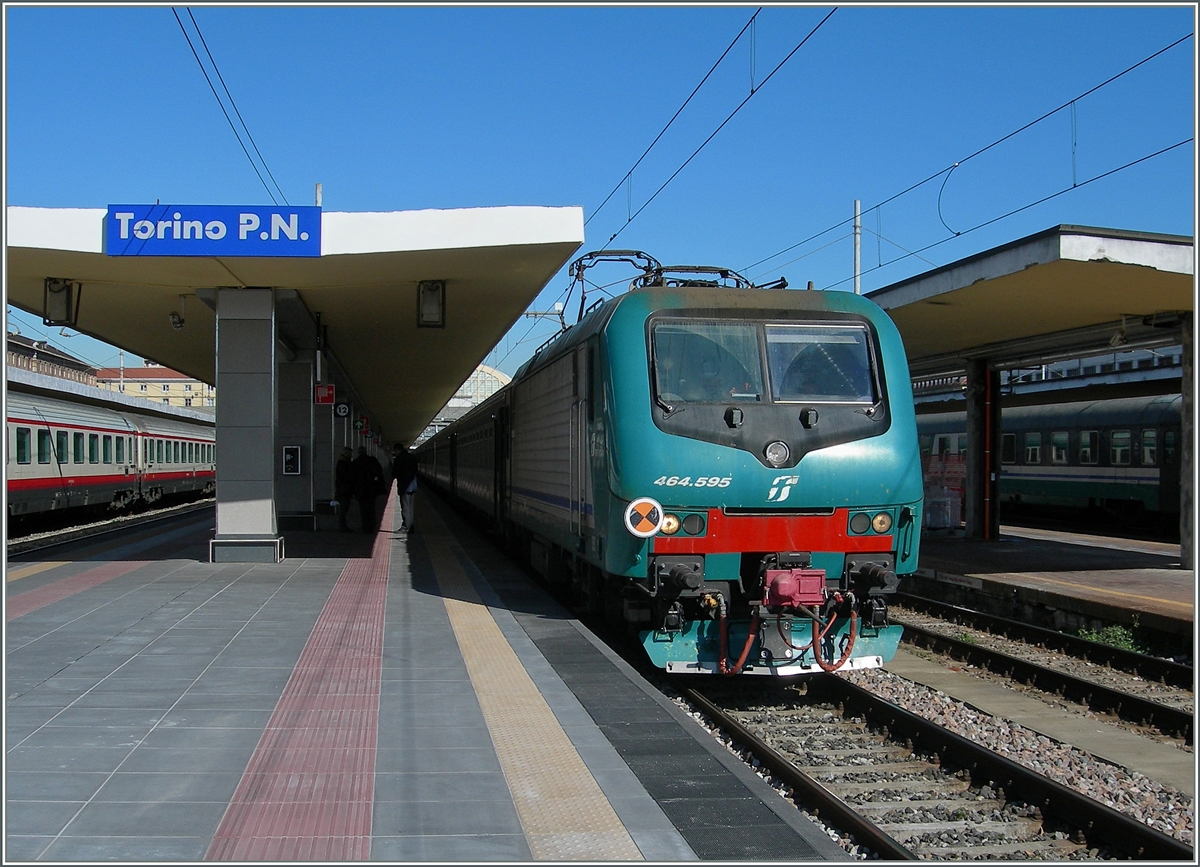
(1063, 293)
(364, 285)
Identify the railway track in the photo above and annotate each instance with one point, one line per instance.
(39, 541)
(1128, 695)
(1150, 668)
(908, 789)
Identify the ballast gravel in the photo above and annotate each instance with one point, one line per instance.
(1158, 805)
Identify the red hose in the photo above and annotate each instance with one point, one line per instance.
(723, 666)
(816, 644)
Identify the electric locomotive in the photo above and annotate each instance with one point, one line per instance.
(731, 471)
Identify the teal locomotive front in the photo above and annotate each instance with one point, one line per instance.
(730, 472)
(761, 483)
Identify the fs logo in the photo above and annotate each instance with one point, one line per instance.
(781, 487)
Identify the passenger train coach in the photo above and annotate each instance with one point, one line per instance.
(730, 471)
(1118, 456)
(65, 453)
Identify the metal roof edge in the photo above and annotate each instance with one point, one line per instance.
(1058, 231)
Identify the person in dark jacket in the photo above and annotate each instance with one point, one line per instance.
(404, 471)
(368, 482)
(343, 487)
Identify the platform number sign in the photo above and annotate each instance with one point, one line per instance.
(341, 410)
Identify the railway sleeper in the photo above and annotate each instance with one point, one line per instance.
(1049, 850)
(883, 808)
(909, 832)
(847, 790)
(901, 767)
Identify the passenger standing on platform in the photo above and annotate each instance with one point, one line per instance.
(343, 487)
(368, 482)
(404, 471)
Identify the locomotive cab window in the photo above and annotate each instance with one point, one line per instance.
(820, 363)
(707, 362)
(719, 362)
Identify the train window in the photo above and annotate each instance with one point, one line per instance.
(1059, 447)
(23, 435)
(1169, 445)
(158, 444)
(1089, 447)
(77, 448)
(120, 450)
(93, 448)
(108, 449)
(191, 453)
(707, 362)
(941, 445)
(175, 451)
(962, 446)
(820, 363)
(1008, 448)
(60, 442)
(1119, 448)
(45, 446)
(1149, 447)
(1033, 448)
(146, 452)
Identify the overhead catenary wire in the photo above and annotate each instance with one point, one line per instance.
(982, 150)
(200, 63)
(722, 125)
(1025, 207)
(221, 78)
(625, 178)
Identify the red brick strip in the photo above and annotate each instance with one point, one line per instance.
(308, 791)
(32, 600)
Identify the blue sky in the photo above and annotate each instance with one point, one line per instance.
(397, 108)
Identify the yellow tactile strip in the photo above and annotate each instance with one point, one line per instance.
(561, 806)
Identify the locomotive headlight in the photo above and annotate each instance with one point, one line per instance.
(693, 525)
(777, 453)
(670, 525)
(860, 523)
(882, 522)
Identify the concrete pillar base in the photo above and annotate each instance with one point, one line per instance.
(245, 549)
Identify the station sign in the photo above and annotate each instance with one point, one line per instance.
(341, 409)
(212, 230)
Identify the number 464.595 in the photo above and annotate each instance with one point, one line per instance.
(702, 482)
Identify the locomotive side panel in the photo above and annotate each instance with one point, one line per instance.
(542, 409)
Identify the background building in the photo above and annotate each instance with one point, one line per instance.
(480, 385)
(39, 356)
(159, 384)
